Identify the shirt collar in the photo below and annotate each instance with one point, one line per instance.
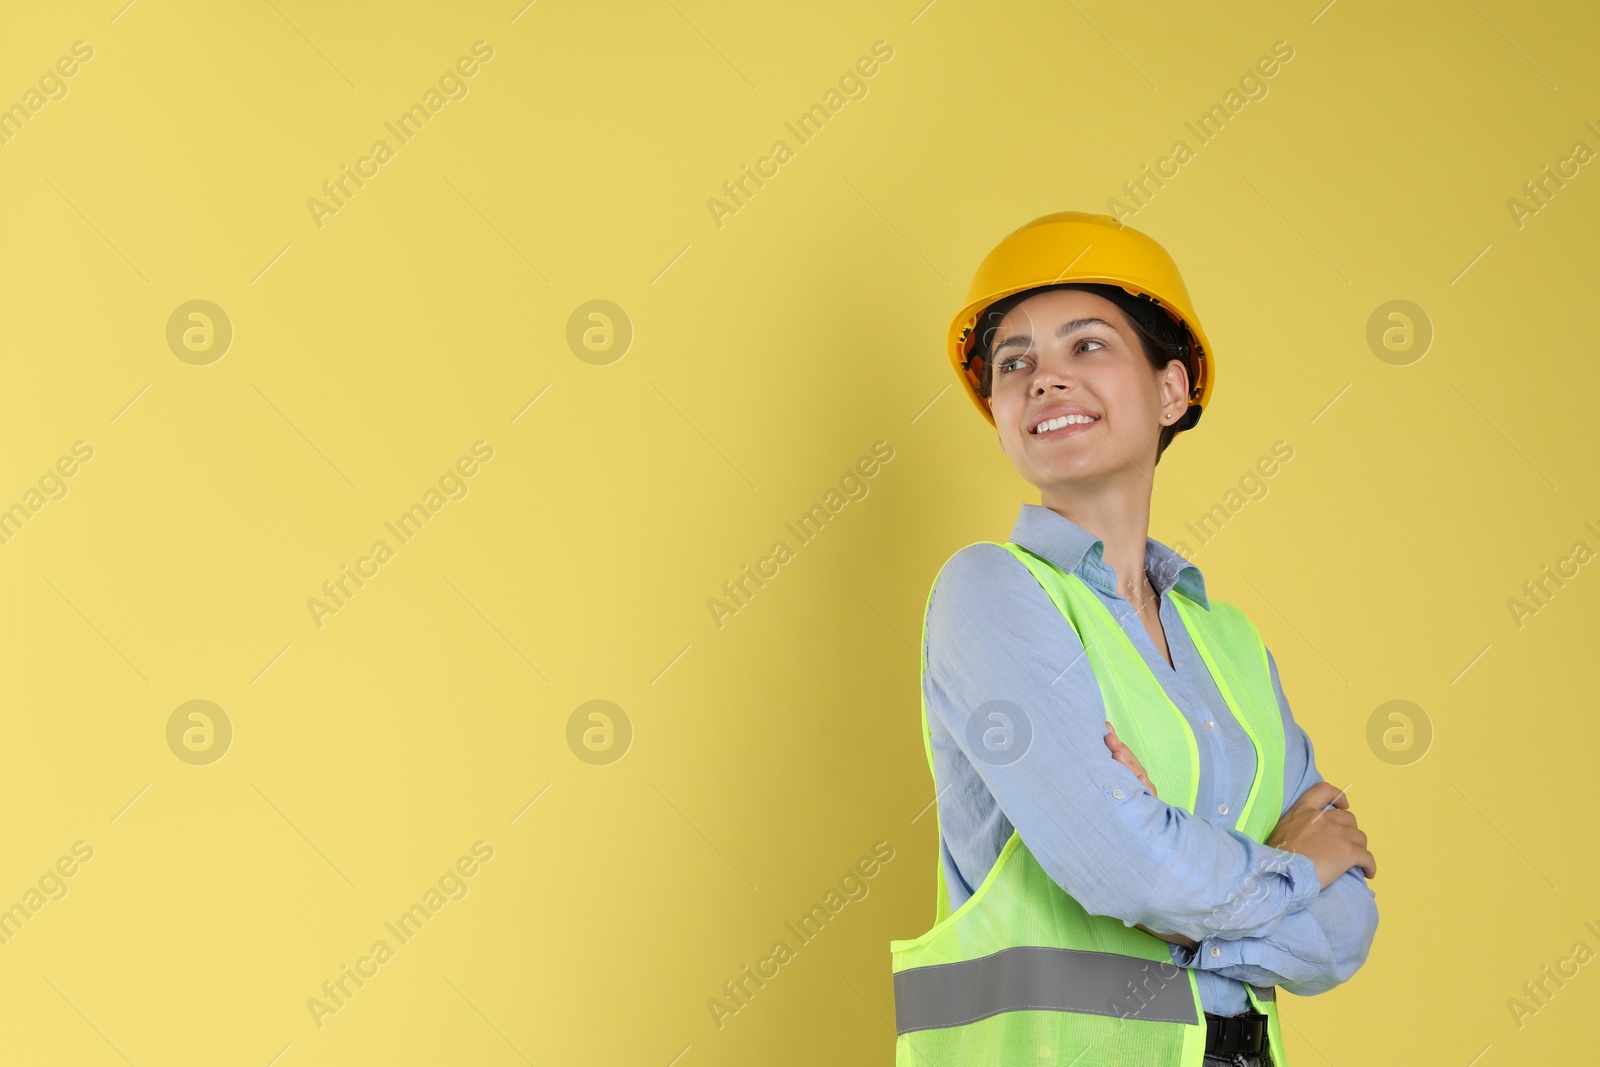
(1075, 550)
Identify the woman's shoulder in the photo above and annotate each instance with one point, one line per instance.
(974, 568)
(984, 584)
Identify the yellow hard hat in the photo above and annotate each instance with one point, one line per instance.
(1074, 246)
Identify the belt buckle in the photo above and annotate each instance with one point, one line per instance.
(1245, 1032)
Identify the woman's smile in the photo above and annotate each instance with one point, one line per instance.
(1063, 428)
(1060, 420)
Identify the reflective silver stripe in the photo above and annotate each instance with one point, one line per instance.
(1265, 992)
(1030, 978)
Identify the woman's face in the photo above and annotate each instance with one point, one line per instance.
(1069, 353)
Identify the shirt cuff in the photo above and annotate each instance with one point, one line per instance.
(1184, 956)
(1215, 954)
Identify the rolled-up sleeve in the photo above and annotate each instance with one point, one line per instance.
(1010, 690)
(1323, 944)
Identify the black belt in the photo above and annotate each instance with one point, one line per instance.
(1245, 1032)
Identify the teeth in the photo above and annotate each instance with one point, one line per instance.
(1064, 420)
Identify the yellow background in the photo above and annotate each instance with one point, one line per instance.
(767, 356)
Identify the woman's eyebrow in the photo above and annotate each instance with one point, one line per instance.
(1024, 342)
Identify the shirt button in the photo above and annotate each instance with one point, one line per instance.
(1210, 725)
(1117, 793)
(1223, 810)
(1215, 951)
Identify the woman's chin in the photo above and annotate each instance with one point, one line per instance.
(1066, 475)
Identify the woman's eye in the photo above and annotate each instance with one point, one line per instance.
(1004, 366)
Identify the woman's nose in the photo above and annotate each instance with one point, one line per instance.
(1046, 379)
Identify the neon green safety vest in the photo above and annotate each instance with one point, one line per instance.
(1021, 973)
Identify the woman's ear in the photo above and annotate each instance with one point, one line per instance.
(1177, 379)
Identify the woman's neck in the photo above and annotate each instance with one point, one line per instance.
(1123, 527)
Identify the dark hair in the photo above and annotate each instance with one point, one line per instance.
(1162, 338)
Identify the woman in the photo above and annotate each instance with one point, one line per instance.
(1135, 845)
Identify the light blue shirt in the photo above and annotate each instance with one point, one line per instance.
(993, 634)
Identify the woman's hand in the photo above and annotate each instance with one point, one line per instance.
(1124, 755)
(1330, 838)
